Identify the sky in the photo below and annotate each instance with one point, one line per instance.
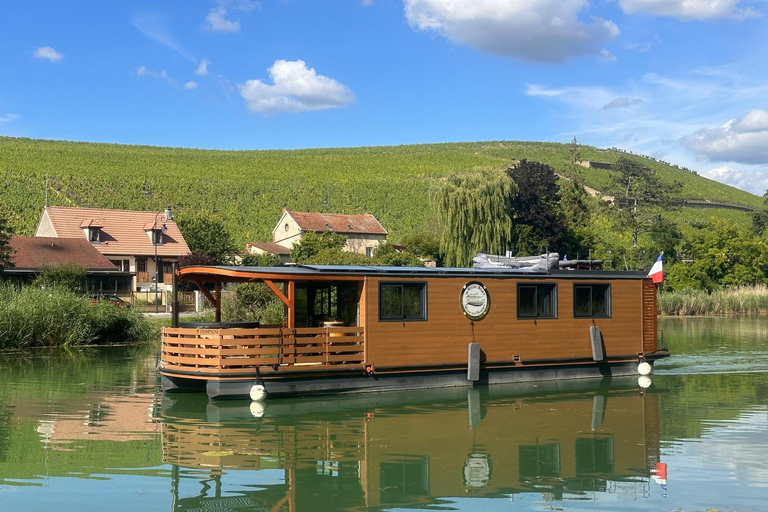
(684, 81)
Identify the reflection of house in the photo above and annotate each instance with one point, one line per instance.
(33, 254)
(363, 232)
(129, 239)
(284, 253)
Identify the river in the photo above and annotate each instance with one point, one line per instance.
(88, 430)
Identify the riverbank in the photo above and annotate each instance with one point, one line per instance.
(33, 317)
(743, 300)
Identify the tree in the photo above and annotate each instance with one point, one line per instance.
(641, 194)
(539, 223)
(474, 212)
(387, 255)
(312, 244)
(723, 255)
(262, 260)
(6, 251)
(423, 245)
(209, 236)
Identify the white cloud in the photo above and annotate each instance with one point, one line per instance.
(532, 30)
(153, 27)
(622, 103)
(742, 140)
(159, 75)
(202, 69)
(295, 88)
(190, 85)
(216, 19)
(689, 9)
(9, 118)
(47, 53)
(752, 180)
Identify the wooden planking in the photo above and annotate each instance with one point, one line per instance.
(443, 338)
(650, 333)
(242, 351)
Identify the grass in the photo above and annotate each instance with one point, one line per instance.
(33, 317)
(744, 300)
(248, 189)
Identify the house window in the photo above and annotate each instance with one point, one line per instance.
(369, 252)
(537, 300)
(141, 265)
(402, 301)
(157, 236)
(117, 263)
(94, 235)
(591, 300)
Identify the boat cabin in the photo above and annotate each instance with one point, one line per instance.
(349, 328)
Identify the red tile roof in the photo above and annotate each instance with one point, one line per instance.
(37, 252)
(339, 223)
(123, 232)
(270, 247)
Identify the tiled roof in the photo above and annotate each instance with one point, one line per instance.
(122, 231)
(270, 247)
(37, 252)
(339, 223)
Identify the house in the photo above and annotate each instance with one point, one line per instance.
(282, 252)
(33, 254)
(132, 240)
(364, 233)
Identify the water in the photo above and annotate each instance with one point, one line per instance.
(88, 431)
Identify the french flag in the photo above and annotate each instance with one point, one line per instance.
(657, 272)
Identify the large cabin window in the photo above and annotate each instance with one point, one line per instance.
(591, 300)
(402, 301)
(537, 300)
(94, 234)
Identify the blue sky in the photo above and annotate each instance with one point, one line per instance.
(682, 81)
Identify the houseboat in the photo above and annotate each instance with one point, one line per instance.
(356, 328)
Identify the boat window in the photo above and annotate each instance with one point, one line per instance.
(537, 300)
(591, 300)
(402, 301)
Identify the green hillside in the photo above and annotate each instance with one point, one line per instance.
(248, 189)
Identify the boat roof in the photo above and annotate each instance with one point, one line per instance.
(323, 272)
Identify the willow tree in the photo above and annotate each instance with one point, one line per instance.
(473, 210)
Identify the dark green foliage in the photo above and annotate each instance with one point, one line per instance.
(6, 252)
(723, 255)
(640, 195)
(252, 302)
(335, 256)
(313, 243)
(538, 220)
(208, 236)
(34, 317)
(70, 277)
(262, 260)
(424, 245)
(386, 255)
(197, 258)
(474, 211)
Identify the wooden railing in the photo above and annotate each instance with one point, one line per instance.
(232, 353)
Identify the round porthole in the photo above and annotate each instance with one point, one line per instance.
(287, 227)
(475, 301)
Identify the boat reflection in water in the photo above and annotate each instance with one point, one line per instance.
(548, 442)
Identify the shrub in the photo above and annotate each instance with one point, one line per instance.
(33, 317)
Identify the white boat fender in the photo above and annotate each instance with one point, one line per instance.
(258, 392)
(644, 382)
(257, 409)
(644, 368)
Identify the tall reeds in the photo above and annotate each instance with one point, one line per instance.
(742, 300)
(33, 317)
